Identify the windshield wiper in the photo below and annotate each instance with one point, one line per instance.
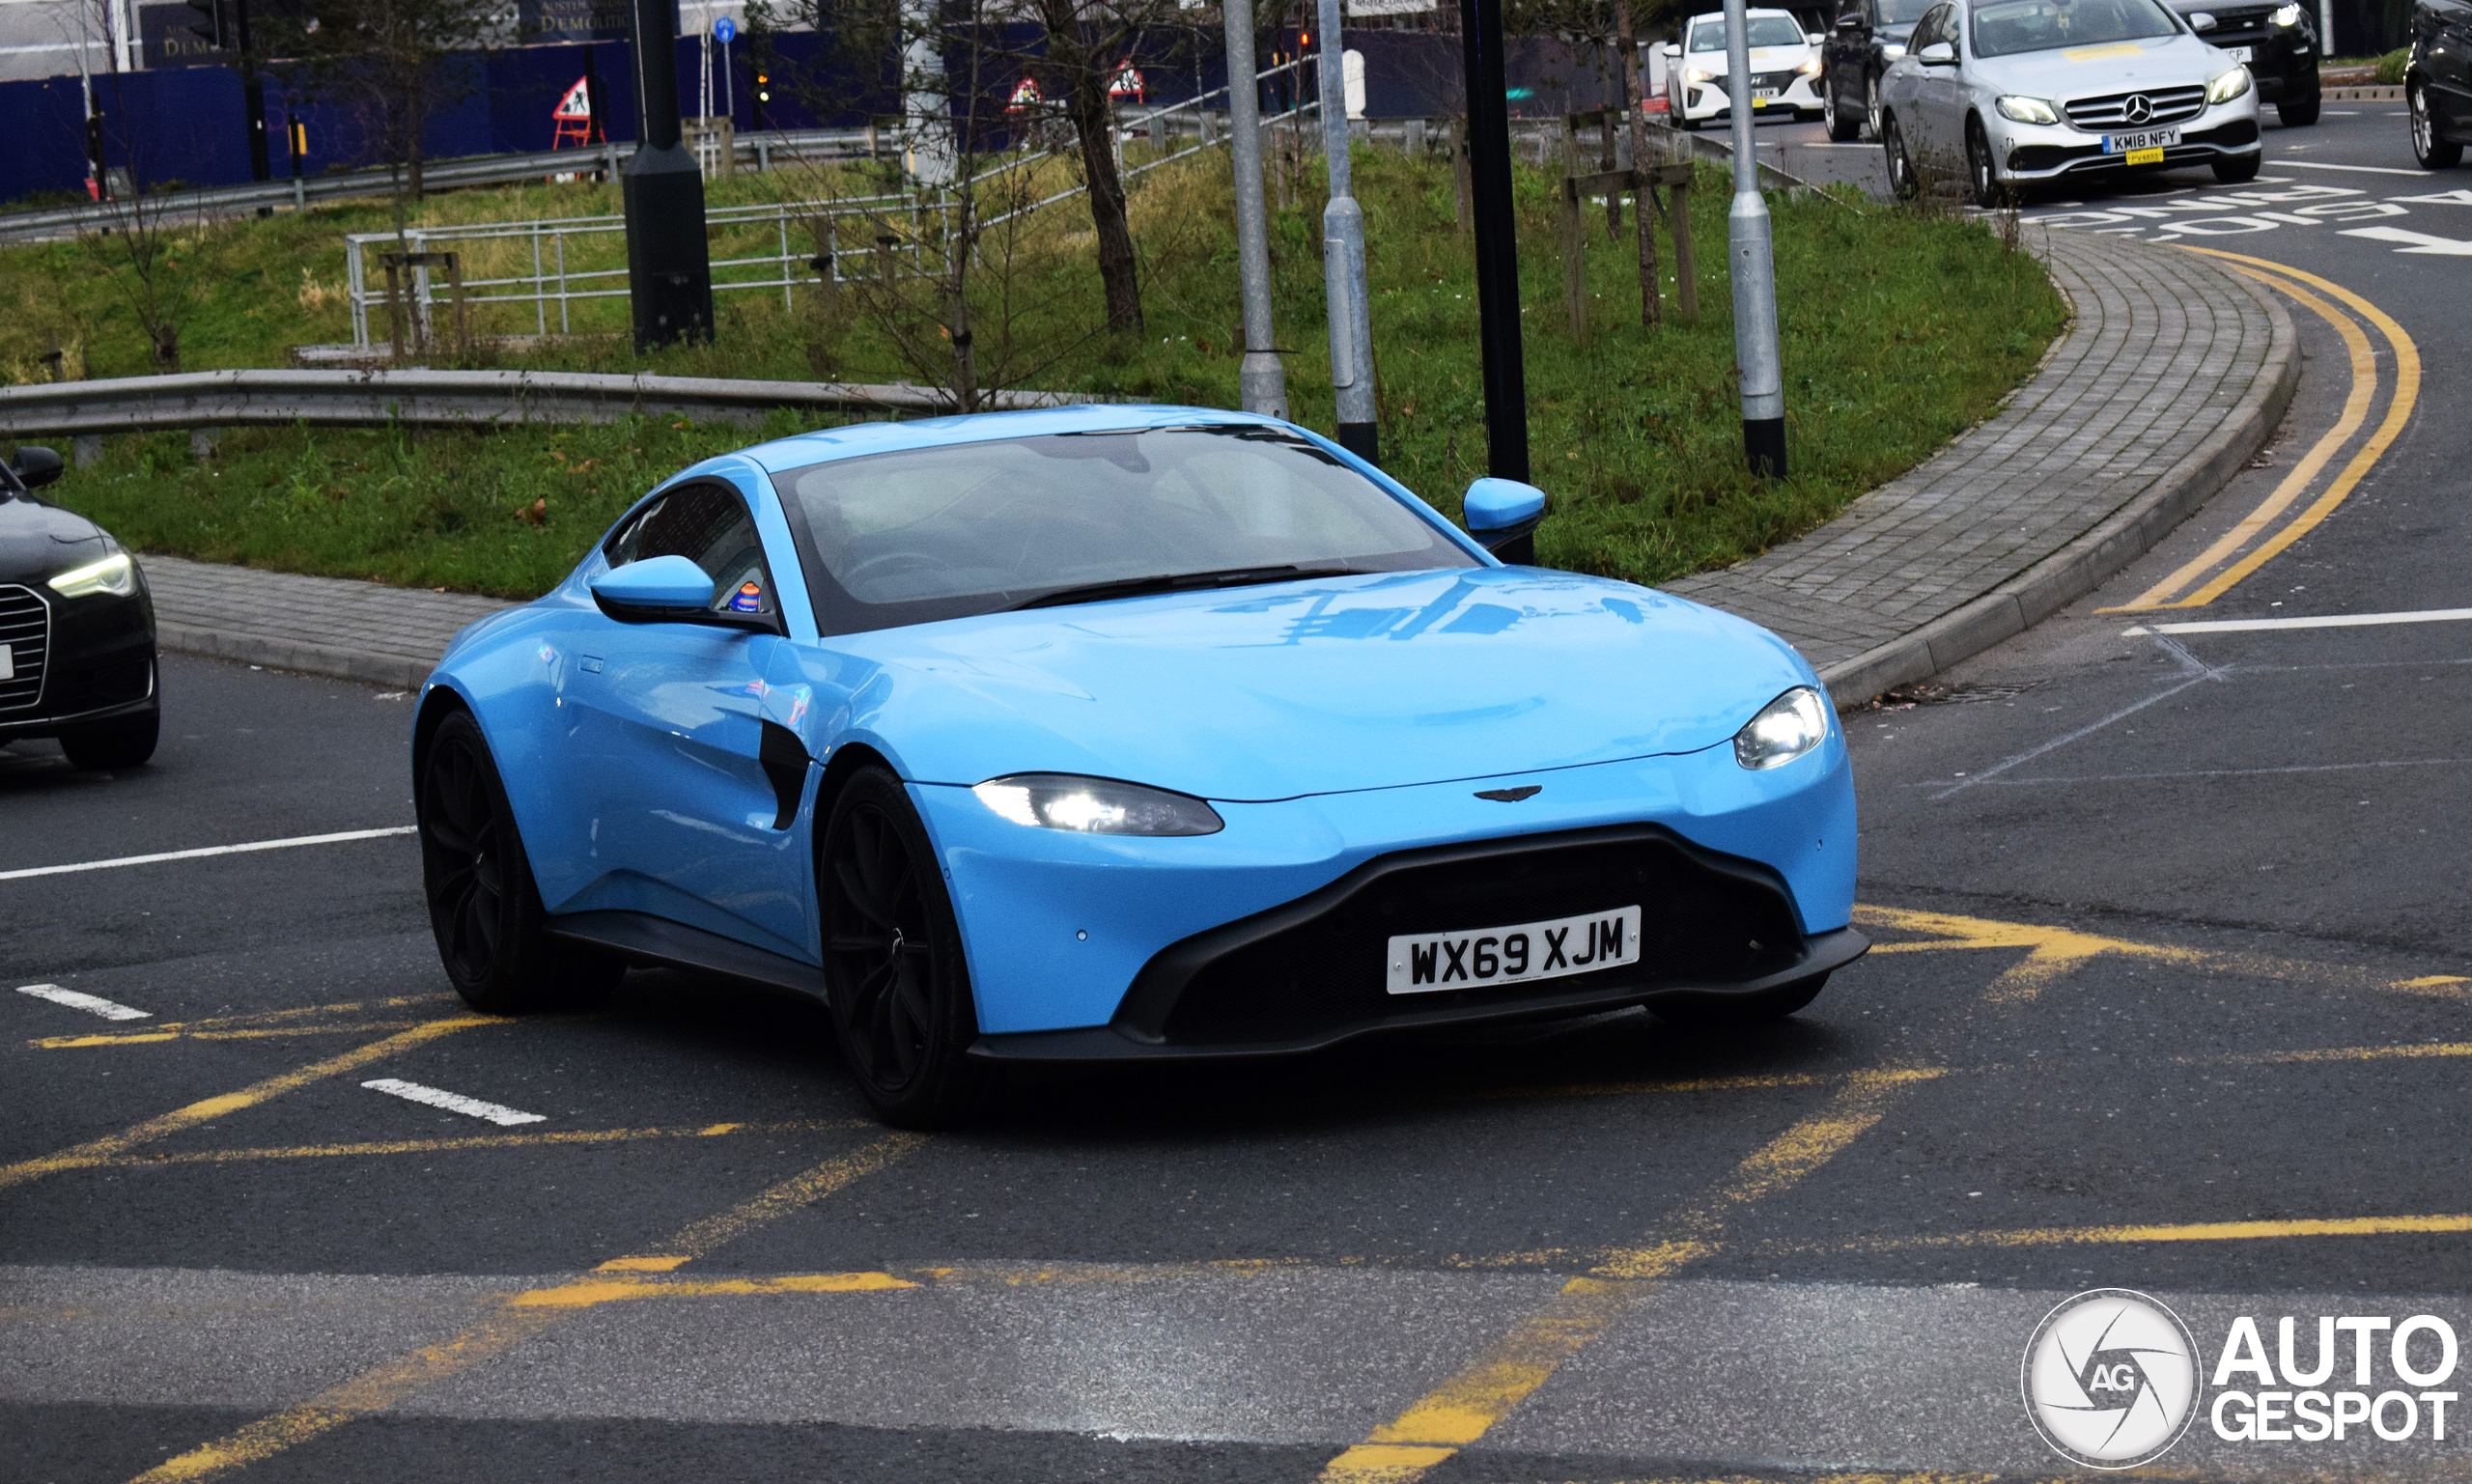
(1182, 581)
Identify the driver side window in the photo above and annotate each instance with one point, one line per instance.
(709, 526)
(1932, 28)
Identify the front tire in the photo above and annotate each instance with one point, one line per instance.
(1903, 183)
(1841, 129)
(1981, 169)
(2428, 149)
(1716, 1012)
(112, 745)
(2237, 169)
(484, 910)
(2299, 113)
(893, 965)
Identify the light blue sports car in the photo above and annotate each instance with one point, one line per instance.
(1116, 732)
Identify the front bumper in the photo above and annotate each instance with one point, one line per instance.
(1110, 935)
(2045, 151)
(1709, 100)
(92, 661)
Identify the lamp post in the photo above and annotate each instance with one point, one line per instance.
(1481, 33)
(1754, 265)
(669, 266)
(1261, 382)
(1343, 259)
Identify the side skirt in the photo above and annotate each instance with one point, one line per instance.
(646, 939)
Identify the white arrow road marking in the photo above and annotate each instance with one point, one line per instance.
(2323, 621)
(454, 1101)
(211, 849)
(92, 1003)
(2422, 241)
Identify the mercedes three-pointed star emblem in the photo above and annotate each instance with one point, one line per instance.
(2138, 108)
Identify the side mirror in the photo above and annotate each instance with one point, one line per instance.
(1673, 48)
(1503, 515)
(34, 468)
(1851, 21)
(1815, 39)
(1938, 54)
(660, 587)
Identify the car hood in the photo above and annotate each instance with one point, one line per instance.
(2085, 71)
(1320, 687)
(38, 539)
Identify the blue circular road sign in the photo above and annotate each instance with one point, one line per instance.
(725, 31)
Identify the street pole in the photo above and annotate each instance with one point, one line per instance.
(669, 266)
(1261, 382)
(1343, 259)
(1481, 33)
(1754, 270)
(925, 105)
(253, 97)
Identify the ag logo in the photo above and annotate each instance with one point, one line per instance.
(2111, 1378)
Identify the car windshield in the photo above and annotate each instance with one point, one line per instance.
(1763, 31)
(2003, 27)
(1902, 12)
(977, 527)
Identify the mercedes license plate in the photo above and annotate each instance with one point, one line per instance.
(2148, 142)
(1421, 963)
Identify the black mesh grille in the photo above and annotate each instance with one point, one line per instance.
(25, 627)
(1701, 923)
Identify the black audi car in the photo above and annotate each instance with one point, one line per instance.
(2278, 41)
(76, 627)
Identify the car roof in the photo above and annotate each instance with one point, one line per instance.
(1718, 18)
(859, 439)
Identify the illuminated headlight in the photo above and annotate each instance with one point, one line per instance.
(1785, 728)
(1697, 74)
(1889, 51)
(115, 574)
(2028, 110)
(2284, 15)
(2228, 86)
(1810, 68)
(1096, 807)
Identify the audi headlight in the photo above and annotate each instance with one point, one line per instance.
(1785, 728)
(115, 574)
(1889, 51)
(1096, 807)
(1695, 74)
(2028, 110)
(2228, 86)
(2284, 15)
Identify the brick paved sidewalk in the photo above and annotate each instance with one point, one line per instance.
(2171, 378)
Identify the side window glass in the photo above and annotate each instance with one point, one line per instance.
(709, 526)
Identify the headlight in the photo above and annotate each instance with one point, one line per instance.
(1096, 807)
(1810, 68)
(115, 574)
(2228, 86)
(1695, 74)
(1785, 728)
(1889, 51)
(2284, 15)
(2028, 110)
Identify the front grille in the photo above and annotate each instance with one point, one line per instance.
(2245, 26)
(1781, 81)
(2111, 110)
(1702, 923)
(25, 627)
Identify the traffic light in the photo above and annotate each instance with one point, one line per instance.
(763, 102)
(211, 24)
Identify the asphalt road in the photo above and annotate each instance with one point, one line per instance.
(2171, 997)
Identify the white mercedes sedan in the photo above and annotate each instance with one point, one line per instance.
(2018, 92)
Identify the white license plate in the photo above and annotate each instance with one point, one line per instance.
(8, 664)
(2143, 139)
(1760, 96)
(1422, 962)
(2241, 54)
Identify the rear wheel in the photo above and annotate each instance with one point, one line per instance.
(1903, 183)
(111, 746)
(900, 989)
(2239, 168)
(1871, 111)
(2432, 152)
(1841, 128)
(2299, 113)
(484, 910)
(1716, 1011)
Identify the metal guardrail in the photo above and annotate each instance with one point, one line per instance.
(470, 399)
(484, 170)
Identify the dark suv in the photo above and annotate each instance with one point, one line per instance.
(2438, 82)
(2279, 42)
(1868, 36)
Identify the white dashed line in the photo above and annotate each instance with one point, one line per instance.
(2325, 620)
(212, 850)
(454, 1101)
(2327, 164)
(92, 1004)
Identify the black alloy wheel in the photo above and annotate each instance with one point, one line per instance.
(2431, 152)
(1716, 1012)
(1988, 193)
(484, 910)
(893, 965)
(1903, 183)
(109, 746)
(1841, 128)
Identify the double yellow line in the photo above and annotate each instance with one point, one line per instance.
(2190, 587)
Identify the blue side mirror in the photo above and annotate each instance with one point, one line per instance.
(670, 586)
(1503, 515)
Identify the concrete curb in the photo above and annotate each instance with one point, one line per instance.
(396, 670)
(2087, 562)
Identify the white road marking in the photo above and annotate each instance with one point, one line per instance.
(2325, 620)
(454, 1101)
(2321, 164)
(2421, 241)
(211, 849)
(93, 1004)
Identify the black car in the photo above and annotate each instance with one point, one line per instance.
(2438, 82)
(76, 627)
(1868, 36)
(2279, 41)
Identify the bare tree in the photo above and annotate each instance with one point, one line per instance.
(395, 62)
(134, 246)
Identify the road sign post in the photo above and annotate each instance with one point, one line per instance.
(1754, 267)
(1481, 33)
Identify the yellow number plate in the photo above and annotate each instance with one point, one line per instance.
(2145, 156)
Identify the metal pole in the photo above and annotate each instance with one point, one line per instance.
(1261, 381)
(1480, 31)
(669, 263)
(1343, 259)
(1754, 271)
